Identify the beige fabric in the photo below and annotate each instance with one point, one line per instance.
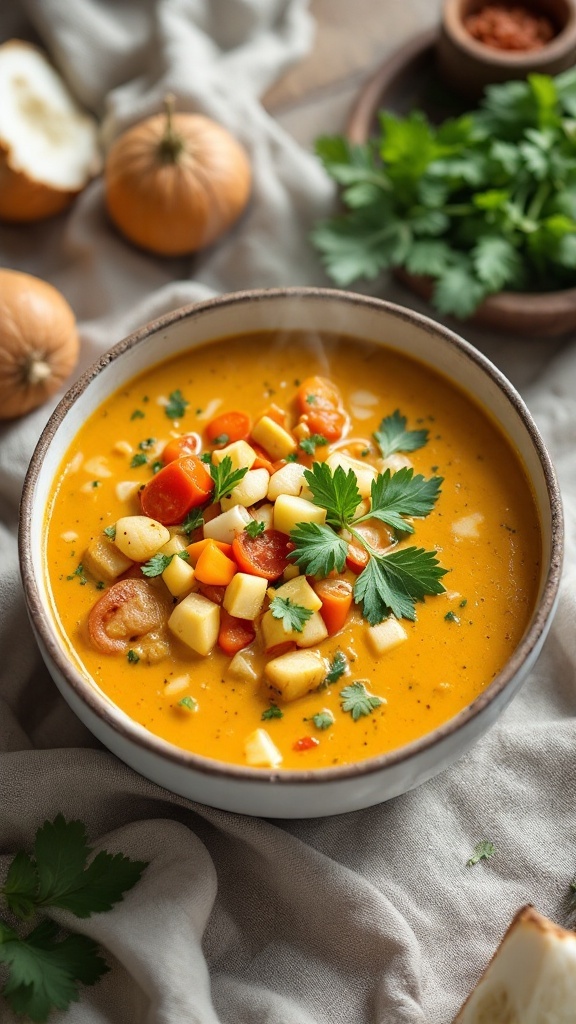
(368, 918)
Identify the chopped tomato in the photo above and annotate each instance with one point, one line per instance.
(126, 611)
(264, 555)
(306, 743)
(235, 634)
(336, 597)
(228, 427)
(320, 405)
(188, 444)
(178, 487)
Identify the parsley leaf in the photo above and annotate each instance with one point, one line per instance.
(357, 700)
(318, 550)
(293, 615)
(392, 436)
(255, 528)
(336, 491)
(395, 495)
(156, 565)
(323, 719)
(310, 444)
(482, 851)
(272, 712)
(110, 531)
(190, 703)
(338, 666)
(138, 460)
(176, 406)
(394, 582)
(225, 478)
(194, 520)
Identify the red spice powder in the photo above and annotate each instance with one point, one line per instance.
(509, 27)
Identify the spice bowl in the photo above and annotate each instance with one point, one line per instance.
(481, 43)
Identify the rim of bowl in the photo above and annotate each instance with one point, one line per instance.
(128, 728)
(560, 44)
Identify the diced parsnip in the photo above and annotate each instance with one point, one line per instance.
(287, 480)
(298, 591)
(365, 474)
(264, 514)
(274, 634)
(245, 595)
(228, 524)
(252, 488)
(273, 438)
(178, 542)
(139, 537)
(103, 560)
(127, 489)
(98, 467)
(178, 576)
(301, 431)
(241, 454)
(243, 665)
(386, 635)
(196, 621)
(296, 673)
(289, 510)
(177, 685)
(260, 751)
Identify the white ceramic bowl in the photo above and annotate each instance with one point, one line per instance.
(273, 793)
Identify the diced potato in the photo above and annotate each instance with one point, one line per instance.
(103, 560)
(177, 542)
(365, 473)
(139, 537)
(274, 634)
(196, 621)
(301, 431)
(245, 595)
(298, 591)
(252, 488)
(177, 685)
(290, 510)
(287, 480)
(240, 453)
(290, 572)
(273, 438)
(178, 576)
(467, 528)
(313, 631)
(260, 751)
(296, 673)
(243, 665)
(264, 514)
(386, 635)
(228, 524)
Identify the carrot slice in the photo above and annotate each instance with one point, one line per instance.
(197, 547)
(320, 405)
(235, 634)
(188, 444)
(178, 487)
(228, 427)
(264, 555)
(336, 597)
(213, 566)
(377, 534)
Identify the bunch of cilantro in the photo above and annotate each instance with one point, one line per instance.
(481, 203)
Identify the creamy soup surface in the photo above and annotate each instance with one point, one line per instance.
(226, 685)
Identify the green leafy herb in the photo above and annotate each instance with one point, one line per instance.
(189, 703)
(394, 582)
(221, 439)
(318, 549)
(323, 719)
(148, 443)
(225, 478)
(336, 491)
(176, 406)
(255, 528)
(451, 617)
(400, 494)
(139, 459)
(480, 203)
(310, 444)
(338, 666)
(292, 457)
(137, 415)
(79, 574)
(272, 712)
(392, 436)
(133, 657)
(482, 851)
(357, 700)
(293, 615)
(194, 520)
(156, 565)
(44, 969)
(206, 457)
(156, 466)
(110, 531)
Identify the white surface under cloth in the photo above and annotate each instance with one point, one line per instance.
(368, 918)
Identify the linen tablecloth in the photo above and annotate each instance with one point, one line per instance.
(363, 918)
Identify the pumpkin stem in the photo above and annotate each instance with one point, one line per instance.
(36, 371)
(171, 144)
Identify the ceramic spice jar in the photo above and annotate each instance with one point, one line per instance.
(485, 41)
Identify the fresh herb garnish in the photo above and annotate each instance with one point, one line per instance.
(293, 615)
(482, 851)
(338, 666)
(139, 459)
(318, 549)
(225, 478)
(323, 719)
(221, 439)
(394, 582)
(137, 415)
(176, 405)
(156, 565)
(392, 436)
(480, 203)
(193, 521)
(272, 712)
(357, 700)
(451, 617)
(110, 531)
(133, 657)
(45, 969)
(310, 444)
(255, 528)
(190, 703)
(79, 574)
(156, 466)
(148, 443)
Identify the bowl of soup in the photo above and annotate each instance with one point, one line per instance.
(290, 552)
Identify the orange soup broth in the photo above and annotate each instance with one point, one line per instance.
(459, 641)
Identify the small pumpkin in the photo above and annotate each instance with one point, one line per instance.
(49, 147)
(38, 342)
(176, 182)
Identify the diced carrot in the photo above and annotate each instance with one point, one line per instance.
(336, 597)
(274, 412)
(228, 427)
(320, 404)
(235, 634)
(188, 444)
(197, 547)
(178, 487)
(213, 566)
(262, 460)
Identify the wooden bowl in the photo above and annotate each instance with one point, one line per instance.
(410, 80)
